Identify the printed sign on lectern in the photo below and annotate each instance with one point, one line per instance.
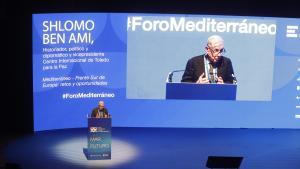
(99, 139)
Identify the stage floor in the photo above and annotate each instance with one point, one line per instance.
(159, 148)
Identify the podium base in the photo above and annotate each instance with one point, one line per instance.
(96, 156)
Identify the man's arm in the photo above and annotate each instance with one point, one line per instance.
(188, 73)
(230, 72)
(106, 114)
(94, 112)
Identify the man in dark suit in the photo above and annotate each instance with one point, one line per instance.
(211, 67)
(100, 111)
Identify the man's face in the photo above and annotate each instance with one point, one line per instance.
(101, 105)
(214, 50)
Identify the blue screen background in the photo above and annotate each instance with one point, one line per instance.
(110, 37)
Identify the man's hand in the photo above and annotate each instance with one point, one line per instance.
(202, 79)
(220, 80)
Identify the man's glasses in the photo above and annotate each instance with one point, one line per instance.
(217, 51)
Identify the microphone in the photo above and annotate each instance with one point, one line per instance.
(234, 79)
(215, 74)
(170, 75)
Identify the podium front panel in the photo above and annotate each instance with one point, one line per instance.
(195, 91)
(98, 139)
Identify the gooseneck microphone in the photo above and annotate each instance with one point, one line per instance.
(170, 75)
(234, 79)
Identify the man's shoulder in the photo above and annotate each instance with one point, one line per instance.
(226, 59)
(196, 58)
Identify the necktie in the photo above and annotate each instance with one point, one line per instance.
(211, 73)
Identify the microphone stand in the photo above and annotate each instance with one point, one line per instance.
(170, 75)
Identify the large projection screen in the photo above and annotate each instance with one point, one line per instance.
(124, 59)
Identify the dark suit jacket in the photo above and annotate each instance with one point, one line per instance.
(195, 67)
(95, 111)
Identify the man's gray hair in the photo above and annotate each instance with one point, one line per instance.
(214, 38)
